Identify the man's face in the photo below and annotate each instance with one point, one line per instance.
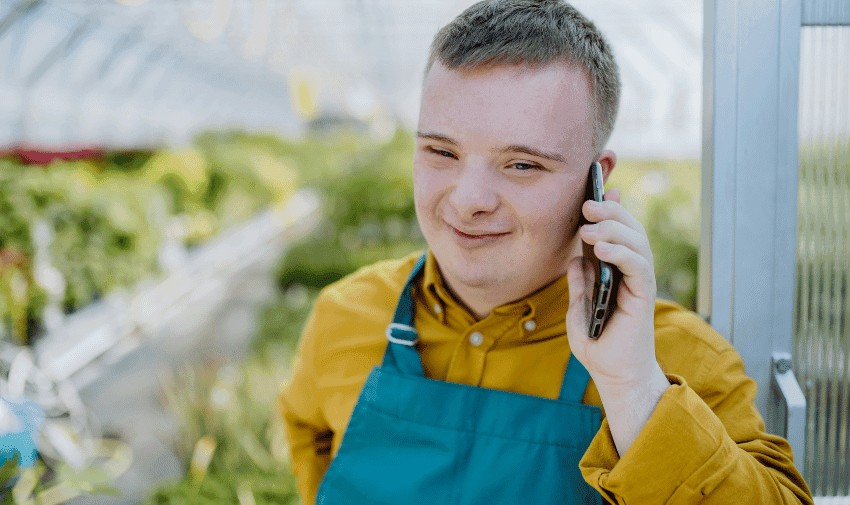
(499, 174)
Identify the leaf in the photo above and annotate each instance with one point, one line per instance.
(22, 490)
(8, 470)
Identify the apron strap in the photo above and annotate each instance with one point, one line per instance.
(401, 353)
(401, 333)
(575, 381)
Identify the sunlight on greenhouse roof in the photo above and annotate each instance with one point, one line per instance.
(135, 73)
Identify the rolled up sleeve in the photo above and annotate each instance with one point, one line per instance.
(699, 446)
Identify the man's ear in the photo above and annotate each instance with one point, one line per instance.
(607, 159)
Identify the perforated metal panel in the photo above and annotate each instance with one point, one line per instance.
(822, 329)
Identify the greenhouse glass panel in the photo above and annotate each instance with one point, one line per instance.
(822, 332)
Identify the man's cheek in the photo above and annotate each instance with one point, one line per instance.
(419, 192)
(556, 227)
(427, 191)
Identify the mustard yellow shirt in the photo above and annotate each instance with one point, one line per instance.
(704, 441)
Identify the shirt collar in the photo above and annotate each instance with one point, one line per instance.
(546, 307)
(441, 302)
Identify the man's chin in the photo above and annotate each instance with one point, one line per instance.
(476, 269)
(471, 275)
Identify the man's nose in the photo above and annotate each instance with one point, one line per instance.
(474, 191)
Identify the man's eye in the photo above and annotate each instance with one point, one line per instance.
(441, 152)
(523, 167)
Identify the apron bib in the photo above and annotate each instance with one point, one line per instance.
(414, 440)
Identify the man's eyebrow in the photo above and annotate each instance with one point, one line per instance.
(533, 152)
(516, 148)
(436, 136)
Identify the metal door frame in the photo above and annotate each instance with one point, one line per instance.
(748, 238)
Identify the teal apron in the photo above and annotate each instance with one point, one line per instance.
(414, 440)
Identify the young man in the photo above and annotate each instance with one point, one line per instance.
(488, 389)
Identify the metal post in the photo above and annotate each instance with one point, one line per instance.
(748, 247)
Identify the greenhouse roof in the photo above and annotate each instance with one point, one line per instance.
(134, 73)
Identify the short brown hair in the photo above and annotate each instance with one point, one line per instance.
(534, 33)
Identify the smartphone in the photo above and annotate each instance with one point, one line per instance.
(607, 276)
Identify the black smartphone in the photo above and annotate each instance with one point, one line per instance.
(607, 276)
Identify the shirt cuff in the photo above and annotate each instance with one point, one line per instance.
(682, 452)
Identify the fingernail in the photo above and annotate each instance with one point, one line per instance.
(604, 246)
(591, 227)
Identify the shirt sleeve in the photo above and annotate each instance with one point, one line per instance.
(307, 430)
(706, 447)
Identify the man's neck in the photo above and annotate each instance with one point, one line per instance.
(481, 301)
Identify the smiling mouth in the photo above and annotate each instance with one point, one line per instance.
(481, 236)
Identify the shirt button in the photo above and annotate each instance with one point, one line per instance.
(530, 325)
(437, 308)
(476, 339)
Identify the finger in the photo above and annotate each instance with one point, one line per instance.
(601, 211)
(613, 195)
(637, 270)
(615, 232)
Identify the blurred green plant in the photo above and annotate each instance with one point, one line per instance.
(368, 206)
(54, 481)
(231, 442)
(106, 219)
(281, 321)
(664, 196)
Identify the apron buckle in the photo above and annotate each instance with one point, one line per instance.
(399, 327)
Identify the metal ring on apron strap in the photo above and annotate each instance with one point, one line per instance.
(402, 327)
